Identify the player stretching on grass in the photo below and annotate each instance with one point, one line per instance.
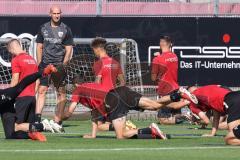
(7, 110)
(23, 65)
(220, 100)
(54, 46)
(116, 103)
(107, 72)
(165, 72)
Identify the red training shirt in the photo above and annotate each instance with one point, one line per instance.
(165, 66)
(91, 95)
(108, 69)
(24, 64)
(209, 97)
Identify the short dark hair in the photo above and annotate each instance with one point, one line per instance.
(99, 42)
(166, 38)
(11, 41)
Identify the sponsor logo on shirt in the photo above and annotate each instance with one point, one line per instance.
(45, 33)
(202, 52)
(53, 40)
(110, 66)
(174, 59)
(29, 61)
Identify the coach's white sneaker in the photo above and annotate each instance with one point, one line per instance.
(57, 128)
(187, 95)
(156, 132)
(47, 126)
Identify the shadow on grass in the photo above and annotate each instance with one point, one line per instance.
(70, 125)
(98, 137)
(198, 128)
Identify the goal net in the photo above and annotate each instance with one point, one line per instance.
(81, 62)
(124, 50)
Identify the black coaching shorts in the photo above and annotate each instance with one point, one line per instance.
(120, 100)
(25, 109)
(57, 78)
(232, 101)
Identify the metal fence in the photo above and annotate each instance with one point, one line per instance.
(122, 7)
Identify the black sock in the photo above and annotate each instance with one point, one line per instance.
(175, 96)
(37, 118)
(145, 131)
(60, 122)
(36, 127)
(111, 128)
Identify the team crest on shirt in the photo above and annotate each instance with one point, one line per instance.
(60, 34)
(45, 33)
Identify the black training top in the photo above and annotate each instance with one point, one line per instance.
(54, 39)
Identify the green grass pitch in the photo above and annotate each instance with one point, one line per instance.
(185, 144)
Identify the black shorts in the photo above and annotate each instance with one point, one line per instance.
(25, 109)
(96, 116)
(232, 101)
(8, 117)
(57, 78)
(120, 100)
(166, 112)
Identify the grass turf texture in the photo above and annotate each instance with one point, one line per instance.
(185, 143)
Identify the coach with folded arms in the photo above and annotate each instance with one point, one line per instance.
(54, 46)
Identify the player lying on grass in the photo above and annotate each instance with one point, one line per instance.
(7, 110)
(116, 103)
(220, 100)
(170, 116)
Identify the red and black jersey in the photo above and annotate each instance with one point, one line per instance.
(210, 97)
(108, 69)
(165, 66)
(91, 95)
(24, 64)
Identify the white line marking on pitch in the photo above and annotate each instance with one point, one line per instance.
(117, 149)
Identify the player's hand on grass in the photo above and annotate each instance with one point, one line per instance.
(88, 136)
(208, 135)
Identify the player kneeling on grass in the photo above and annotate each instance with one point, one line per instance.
(116, 103)
(220, 100)
(8, 115)
(101, 123)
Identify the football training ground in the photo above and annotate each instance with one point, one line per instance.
(185, 143)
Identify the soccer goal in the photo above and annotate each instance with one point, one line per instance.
(83, 59)
(81, 62)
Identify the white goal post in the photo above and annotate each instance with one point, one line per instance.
(128, 54)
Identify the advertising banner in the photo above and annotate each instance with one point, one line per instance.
(208, 48)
